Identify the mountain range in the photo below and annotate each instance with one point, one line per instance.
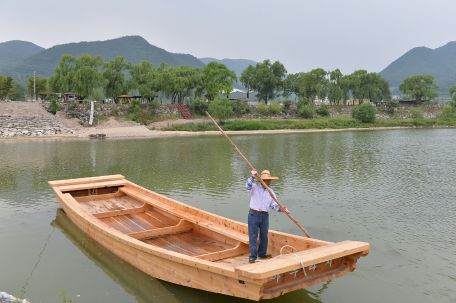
(439, 62)
(133, 48)
(20, 58)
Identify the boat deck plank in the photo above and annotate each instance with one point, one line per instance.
(88, 207)
(137, 221)
(145, 220)
(236, 261)
(171, 246)
(131, 225)
(158, 219)
(188, 243)
(114, 224)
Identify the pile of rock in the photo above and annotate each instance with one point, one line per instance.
(6, 298)
(30, 126)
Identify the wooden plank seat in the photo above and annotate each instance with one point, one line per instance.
(75, 187)
(86, 180)
(309, 257)
(183, 226)
(128, 211)
(184, 215)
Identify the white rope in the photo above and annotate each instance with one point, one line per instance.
(303, 269)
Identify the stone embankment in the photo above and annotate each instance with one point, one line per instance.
(6, 298)
(30, 126)
(26, 119)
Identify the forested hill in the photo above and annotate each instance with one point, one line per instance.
(15, 51)
(238, 65)
(133, 48)
(439, 62)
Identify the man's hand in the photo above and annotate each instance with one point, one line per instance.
(285, 210)
(254, 172)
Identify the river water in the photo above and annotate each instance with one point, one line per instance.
(391, 188)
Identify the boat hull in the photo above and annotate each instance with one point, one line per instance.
(206, 272)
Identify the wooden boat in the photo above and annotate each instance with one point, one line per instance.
(178, 243)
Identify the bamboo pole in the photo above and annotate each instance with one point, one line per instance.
(262, 182)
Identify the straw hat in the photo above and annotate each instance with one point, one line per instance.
(266, 175)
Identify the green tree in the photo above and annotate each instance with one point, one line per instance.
(335, 89)
(420, 87)
(312, 84)
(216, 78)
(79, 75)
(6, 84)
(220, 108)
(115, 83)
(17, 92)
(453, 94)
(366, 85)
(145, 78)
(87, 77)
(62, 81)
(178, 83)
(265, 78)
(40, 85)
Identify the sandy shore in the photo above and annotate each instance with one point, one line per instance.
(143, 132)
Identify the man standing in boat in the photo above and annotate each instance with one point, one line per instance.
(258, 220)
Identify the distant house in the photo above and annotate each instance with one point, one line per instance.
(356, 101)
(69, 97)
(404, 103)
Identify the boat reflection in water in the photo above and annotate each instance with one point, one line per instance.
(140, 285)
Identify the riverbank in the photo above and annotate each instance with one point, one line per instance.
(26, 120)
(143, 132)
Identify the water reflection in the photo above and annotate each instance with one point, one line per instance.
(142, 286)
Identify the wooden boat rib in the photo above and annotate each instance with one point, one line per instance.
(178, 243)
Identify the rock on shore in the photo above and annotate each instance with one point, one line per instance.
(6, 298)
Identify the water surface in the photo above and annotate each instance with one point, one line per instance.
(390, 188)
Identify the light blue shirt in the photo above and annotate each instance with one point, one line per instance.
(260, 199)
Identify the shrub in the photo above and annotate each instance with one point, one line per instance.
(416, 113)
(323, 110)
(199, 107)
(448, 111)
(303, 102)
(391, 106)
(135, 106)
(73, 114)
(364, 113)
(262, 108)
(54, 107)
(287, 103)
(221, 108)
(153, 104)
(240, 108)
(307, 112)
(274, 108)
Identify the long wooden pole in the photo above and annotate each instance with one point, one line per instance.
(262, 182)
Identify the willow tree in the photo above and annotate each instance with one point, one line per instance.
(420, 87)
(79, 75)
(115, 83)
(265, 78)
(216, 78)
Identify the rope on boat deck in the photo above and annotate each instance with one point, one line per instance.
(303, 269)
(93, 189)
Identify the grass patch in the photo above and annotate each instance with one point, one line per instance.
(340, 122)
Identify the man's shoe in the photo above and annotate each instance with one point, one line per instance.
(266, 256)
(251, 260)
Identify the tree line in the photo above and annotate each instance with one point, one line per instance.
(88, 76)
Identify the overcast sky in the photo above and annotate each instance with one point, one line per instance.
(303, 35)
